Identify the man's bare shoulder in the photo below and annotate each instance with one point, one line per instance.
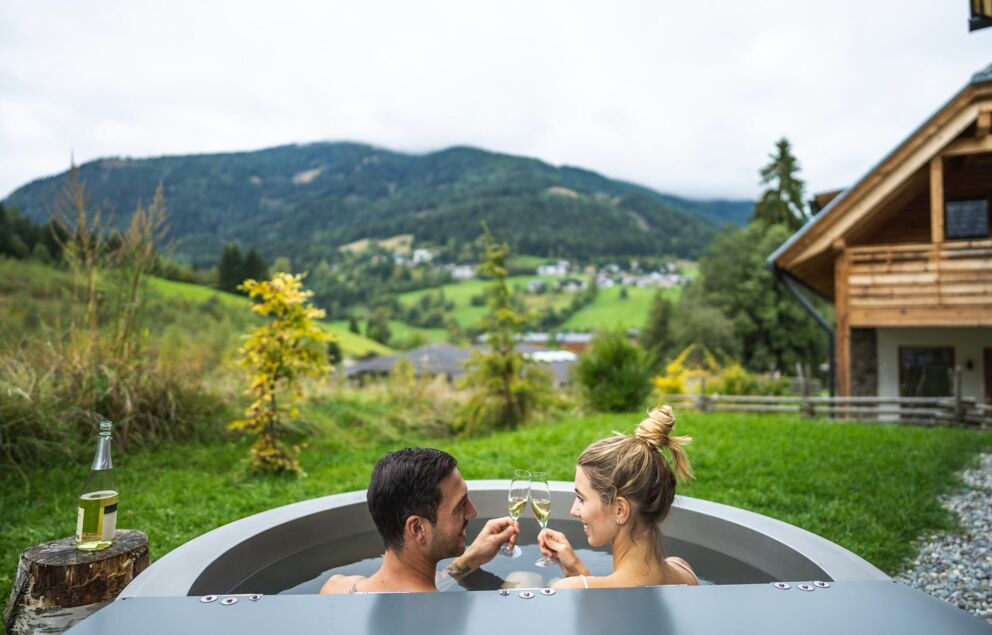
(341, 583)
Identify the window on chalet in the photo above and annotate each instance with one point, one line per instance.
(966, 219)
(925, 371)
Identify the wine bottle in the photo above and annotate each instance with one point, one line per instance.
(96, 520)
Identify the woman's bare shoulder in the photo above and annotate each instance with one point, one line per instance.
(341, 583)
(574, 582)
(683, 570)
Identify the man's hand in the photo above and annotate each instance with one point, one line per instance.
(487, 543)
(555, 544)
(495, 533)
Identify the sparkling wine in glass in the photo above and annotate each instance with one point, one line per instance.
(540, 502)
(516, 499)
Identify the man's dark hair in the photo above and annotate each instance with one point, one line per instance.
(404, 484)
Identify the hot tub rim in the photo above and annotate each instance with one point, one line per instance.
(175, 573)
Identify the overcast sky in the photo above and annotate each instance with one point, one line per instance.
(685, 97)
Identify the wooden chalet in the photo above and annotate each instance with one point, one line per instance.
(905, 255)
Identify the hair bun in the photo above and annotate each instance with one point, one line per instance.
(656, 431)
(656, 428)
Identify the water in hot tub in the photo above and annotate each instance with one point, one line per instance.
(307, 570)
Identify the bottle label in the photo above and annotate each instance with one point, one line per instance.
(97, 516)
(79, 524)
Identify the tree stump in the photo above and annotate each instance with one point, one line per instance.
(57, 585)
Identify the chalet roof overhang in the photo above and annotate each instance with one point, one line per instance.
(808, 254)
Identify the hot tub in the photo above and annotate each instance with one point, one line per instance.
(771, 578)
(290, 548)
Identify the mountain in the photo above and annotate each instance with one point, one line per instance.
(303, 201)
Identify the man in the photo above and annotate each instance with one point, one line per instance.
(420, 505)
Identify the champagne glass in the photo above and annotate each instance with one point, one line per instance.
(517, 503)
(540, 502)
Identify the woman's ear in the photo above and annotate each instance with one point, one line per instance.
(622, 510)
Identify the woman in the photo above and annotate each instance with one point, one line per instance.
(624, 487)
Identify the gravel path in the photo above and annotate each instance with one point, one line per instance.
(957, 568)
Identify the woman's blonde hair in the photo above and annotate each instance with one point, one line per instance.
(635, 467)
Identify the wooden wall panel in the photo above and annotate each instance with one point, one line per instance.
(910, 224)
(925, 284)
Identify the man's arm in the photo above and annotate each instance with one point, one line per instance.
(482, 550)
(454, 572)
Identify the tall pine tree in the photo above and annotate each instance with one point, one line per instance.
(783, 201)
(231, 269)
(254, 267)
(656, 336)
(505, 387)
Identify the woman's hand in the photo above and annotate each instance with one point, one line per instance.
(554, 544)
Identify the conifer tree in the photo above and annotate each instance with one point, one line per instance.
(230, 270)
(378, 326)
(255, 267)
(278, 355)
(506, 387)
(656, 336)
(783, 201)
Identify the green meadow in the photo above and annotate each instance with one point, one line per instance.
(872, 489)
(610, 310)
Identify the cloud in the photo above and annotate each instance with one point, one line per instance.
(672, 95)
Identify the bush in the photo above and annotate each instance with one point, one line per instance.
(390, 410)
(50, 405)
(92, 359)
(614, 374)
(734, 379)
(695, 363)
(506, 390)
(684, 373)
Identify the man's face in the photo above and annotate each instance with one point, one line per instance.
(453, 514)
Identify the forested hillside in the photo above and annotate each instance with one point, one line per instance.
(302, 201)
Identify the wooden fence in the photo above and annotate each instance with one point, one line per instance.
(909, 410)
(951, 410)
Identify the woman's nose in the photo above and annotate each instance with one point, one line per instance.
(575, 508)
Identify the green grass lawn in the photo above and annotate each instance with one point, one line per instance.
(873, 489)
(610, 310)
(400, 332)
(520, 261)
(460, 293)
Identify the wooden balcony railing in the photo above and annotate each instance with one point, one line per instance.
(931, 284)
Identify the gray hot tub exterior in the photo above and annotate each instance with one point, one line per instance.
(217, 561)
(858, 599)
